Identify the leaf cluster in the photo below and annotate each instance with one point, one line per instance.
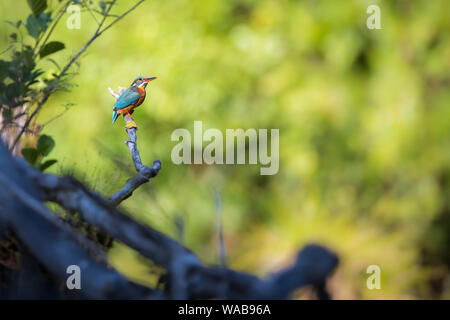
(35, 156)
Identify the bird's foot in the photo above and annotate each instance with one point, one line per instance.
(130, 124)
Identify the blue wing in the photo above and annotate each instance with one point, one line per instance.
(129, 96)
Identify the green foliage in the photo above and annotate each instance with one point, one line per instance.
(36, 26)
(30, 154)
(102, 5)
(25, 80)
(45, 144)
(20, 73)
(46, 164)
(16, 79)
(37, 6)
(35, 156)
(51, 47)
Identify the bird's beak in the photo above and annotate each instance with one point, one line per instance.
(149, 79)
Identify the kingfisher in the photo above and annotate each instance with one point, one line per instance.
(130, 99)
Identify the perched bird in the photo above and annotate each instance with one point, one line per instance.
(130, 99)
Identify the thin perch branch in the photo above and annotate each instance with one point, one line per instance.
(144, 173)
(143, 176)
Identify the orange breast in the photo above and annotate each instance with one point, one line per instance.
(142, 98)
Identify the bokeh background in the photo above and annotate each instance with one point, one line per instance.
(364, 119)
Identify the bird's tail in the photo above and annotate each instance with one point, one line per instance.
(114, 118)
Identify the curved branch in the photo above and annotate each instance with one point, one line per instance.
(132, 184)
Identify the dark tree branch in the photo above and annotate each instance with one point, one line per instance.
(313, 264)
(312, 267)
(52, 245)
(73, 196)
(42, 210)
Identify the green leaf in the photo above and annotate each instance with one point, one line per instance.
(33, 26)
(36, 26)
(44, 20)
(37, 6)
(51, 47)
(30, 154)
(45, 144)
(47, 164)
(102, 5)
(35, 74)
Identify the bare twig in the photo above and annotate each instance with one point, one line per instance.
(178, 222)
(57, 116)
(6, 50)
(218, 208)
(121, 16)
(219, 228)
(91, 13)
(132, 184)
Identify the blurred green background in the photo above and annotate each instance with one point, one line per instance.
(364, 119)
